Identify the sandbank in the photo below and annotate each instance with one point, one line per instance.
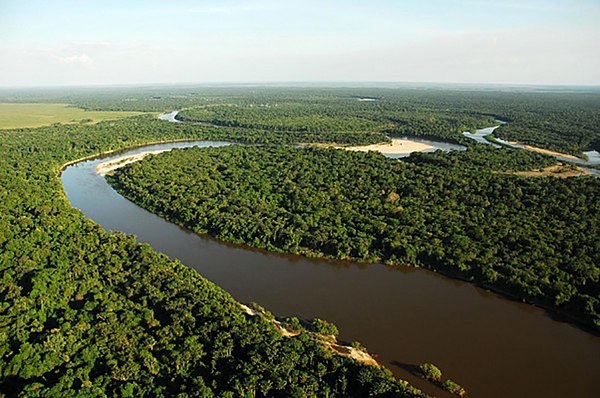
(398, 145)
(544, 151)
(111, 165)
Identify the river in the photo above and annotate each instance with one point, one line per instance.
(494, 347)
(480, 134)
(593, 157)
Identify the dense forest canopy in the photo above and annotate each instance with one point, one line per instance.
(532, 237)
(86, 312)
(562, 120)
(89, 313)
(567, 123)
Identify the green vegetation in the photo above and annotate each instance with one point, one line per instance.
(562, 121)
(534, 238)
(432, 373)
(345, 115)
(323, 327)
(19, 115)
(317, 117)
(84, 312)
(454, 388)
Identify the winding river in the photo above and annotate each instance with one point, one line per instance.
(480, 134)
(593, 157)
(494, 347)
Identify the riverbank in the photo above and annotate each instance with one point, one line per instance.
(558, 171)
(111, 165)
(268, 161)
(104, 154)
(330, 342)
(545, 151)
(486, 136)
(384, 297)
(396, 146)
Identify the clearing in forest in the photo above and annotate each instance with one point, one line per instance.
(20, 115)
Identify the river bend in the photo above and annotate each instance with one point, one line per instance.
(494, 347)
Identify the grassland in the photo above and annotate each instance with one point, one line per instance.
(17, 115)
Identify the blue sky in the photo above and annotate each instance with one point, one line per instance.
(466, 41)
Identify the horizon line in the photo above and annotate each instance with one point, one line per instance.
(295, 83)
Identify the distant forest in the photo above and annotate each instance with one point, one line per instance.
(565, 121)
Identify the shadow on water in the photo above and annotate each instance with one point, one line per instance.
(407, 367)
(417, 380)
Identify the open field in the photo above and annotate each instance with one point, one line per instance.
(17, 115)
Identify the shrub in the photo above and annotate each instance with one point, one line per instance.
(323, 327)
(453, 388)
(292, 324)
(430, 371)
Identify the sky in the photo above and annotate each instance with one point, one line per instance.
(106, 42)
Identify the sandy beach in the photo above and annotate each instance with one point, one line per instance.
(111, 165)
(329, 341)
(549, 152)
(398, 145)
(544, 151)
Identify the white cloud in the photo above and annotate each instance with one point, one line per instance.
(526, 56)
(77, 59)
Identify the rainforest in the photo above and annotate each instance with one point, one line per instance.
(88, 311)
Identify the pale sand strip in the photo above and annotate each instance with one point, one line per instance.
(548, 152)
(328, 341)
(359, 355)
(544, 151)
(111, 165)
(558, 170)
(397, 146)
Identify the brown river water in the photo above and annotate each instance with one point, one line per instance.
(493, 346)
